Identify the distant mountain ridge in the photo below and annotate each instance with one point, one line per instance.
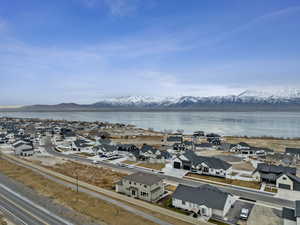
(249, 99)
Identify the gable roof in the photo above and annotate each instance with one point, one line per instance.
(292, 151)
(212, 162)
(266, 168)
(206, 194)
(143, 178)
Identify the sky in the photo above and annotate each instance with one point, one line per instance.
(86, 50)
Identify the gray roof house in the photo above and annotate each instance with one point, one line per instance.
(269, 173)
(293, 151)
(24, 150)
(145, 186)
(205, 200)
(202, 165)
(291, 216)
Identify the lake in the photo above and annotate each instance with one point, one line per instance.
(277, 124)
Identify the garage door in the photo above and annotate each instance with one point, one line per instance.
(177, 165)
(186, 167)
(285, 186)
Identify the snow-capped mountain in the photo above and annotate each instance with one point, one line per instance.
(246, 97)
(286, 99)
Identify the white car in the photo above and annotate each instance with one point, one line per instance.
(244, 214)
(95, 161)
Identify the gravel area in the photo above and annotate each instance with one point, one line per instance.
(66, 213)
(264, 215)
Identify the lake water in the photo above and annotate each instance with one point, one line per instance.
(277, 124)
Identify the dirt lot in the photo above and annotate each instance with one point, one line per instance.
(247, 184)
(96, 209)
(98, 176)
(155, 166)
(243, 166)
(264, 215)
(275, 144)
(140, 140)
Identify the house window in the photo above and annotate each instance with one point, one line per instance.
(284, 178)
(144, 194)
(145, 186)
(183, 202)
(129, 182)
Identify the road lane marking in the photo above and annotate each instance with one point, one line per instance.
(6, 211)
(23, 209)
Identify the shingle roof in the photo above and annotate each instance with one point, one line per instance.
(266, 168)
(143, 178)
(288, 213)
(174, 139)
(212, 162)
(207, 195)
(292, 151)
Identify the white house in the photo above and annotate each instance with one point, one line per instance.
(206, 200)
(202, 165)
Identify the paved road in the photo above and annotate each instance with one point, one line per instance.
(24, 211)
(267, 198)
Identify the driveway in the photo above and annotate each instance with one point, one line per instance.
(234, 214)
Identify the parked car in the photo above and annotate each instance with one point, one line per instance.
(95, 161)
(244, 214)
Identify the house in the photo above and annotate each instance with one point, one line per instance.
(171, 140)
(246, 150)
(148, 187)
(198, 134)
(291, 216)
(205, 200)
(81, 145)
(288, 181)
(204, 146)
(23, 149)
(293, 151)
(202, 165)
(269, 173)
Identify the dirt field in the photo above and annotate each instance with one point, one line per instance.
(248, 184)
(278, 145)
(243, 166)
(155, 166)
(98, 176)
(264, 215)
(96, 209)
(129, 162)
(140, 140)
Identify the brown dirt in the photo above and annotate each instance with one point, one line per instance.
(2, 220)
(129, 162)
(98, 176)
(278, 145)
(96, 209)
(248, 184)
(243, 166)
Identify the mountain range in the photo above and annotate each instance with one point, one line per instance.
(249, 100)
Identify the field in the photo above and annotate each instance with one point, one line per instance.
(129, 162)
(248, 184)
(154, 166)
(94, 208)
(243, 166)
(98, 176)
(278, 145)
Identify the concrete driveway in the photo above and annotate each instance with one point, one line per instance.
(234, 214)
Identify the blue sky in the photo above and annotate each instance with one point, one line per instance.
(83, 50)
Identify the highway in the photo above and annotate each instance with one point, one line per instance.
(253, 195)
(25, 212)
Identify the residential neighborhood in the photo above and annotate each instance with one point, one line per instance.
(213, 167)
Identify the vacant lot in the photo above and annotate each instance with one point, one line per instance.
(154, 166)
(264, 215)
(140, 140)
(243, 166)
(98, 176)
(241, 183)
(96, 209)
(278, 145)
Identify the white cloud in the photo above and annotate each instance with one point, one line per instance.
(122, 7)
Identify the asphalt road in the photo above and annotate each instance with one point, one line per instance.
(253, 195)
(25, 212)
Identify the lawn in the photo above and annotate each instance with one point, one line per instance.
(129, 162)
(171, 188)
(154, 166)
(95, 209)
(271, 189)
(248, 184)
(85, 154)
